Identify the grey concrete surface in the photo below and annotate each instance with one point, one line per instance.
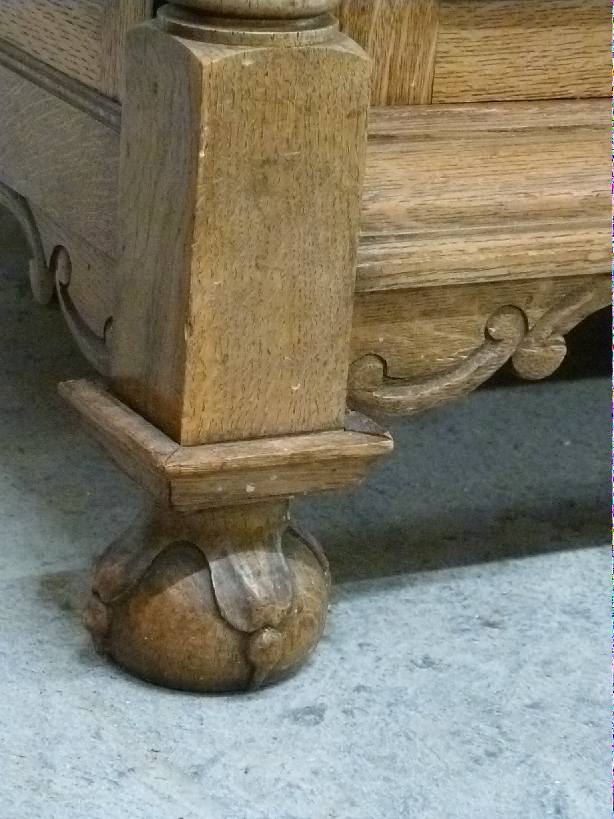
(465, 669)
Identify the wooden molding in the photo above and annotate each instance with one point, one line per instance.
(80, 96)
(60, 158)
(286, 32)
(485, 192)
(211, 475)
(82, 39)
(257, 9)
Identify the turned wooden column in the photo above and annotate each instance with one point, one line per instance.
(243, 142)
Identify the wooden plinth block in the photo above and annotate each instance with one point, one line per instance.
(189, 479)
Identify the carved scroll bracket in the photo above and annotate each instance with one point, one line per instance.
(372, 391)
(543, 348)
(54, 277)
(94, 348)
(41, 278)
(535, 353)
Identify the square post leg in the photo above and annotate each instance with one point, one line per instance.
(243, 147)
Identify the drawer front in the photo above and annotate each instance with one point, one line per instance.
(82, 38)
(479, 50)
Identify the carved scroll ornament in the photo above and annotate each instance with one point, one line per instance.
(54, 277)
(41, 278)
(535, 353)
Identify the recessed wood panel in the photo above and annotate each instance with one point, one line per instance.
(82, 38)
(60, 158)
(522, 49)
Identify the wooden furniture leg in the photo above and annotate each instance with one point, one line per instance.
(217, 600)
(242, 154)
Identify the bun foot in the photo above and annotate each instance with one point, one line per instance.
(222, 600)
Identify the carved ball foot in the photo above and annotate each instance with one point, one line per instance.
(221, 600)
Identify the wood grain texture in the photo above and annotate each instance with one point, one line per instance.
(235, 285)
(81, 38)
(192, 478)
(216, 601)
(522, 49)
(60, 85)
(62, 160)
(401, 37)
(119, 16)
(519, 325)
(485, 192)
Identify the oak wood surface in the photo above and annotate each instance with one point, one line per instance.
(522, 50)
(60, 158)
(82, 38)
(235, 286)
(197, 477)
(485, 192)
(474, 50)
(402, 39)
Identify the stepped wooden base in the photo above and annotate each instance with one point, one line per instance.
(214, 601)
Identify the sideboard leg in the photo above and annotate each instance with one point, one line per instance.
(226, 599)
(242, 156)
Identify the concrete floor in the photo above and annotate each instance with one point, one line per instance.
(465, 669)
